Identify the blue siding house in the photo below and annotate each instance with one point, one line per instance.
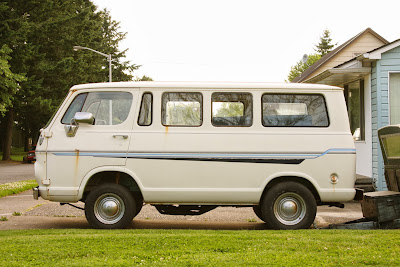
(371, 82)
(385, 84)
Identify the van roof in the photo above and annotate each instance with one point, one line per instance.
(206, 85)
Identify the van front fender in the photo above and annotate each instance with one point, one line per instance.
(119, 169)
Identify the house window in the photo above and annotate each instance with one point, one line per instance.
(354, 94)
(394, 98)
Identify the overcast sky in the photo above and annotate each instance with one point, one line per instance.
(244, 40)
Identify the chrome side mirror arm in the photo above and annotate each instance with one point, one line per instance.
(71, 129)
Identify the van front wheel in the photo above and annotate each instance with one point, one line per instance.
(289, 205)
(110, 206)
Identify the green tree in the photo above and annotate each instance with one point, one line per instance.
(325, 44)
(9, 85)
(300, 67)
(143, 78)
(322, 48)
(41, 35)
(9, 81)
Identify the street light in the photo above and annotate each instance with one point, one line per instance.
(77, 47)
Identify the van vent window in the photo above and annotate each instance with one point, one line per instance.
(76, 106)
(232, 109)
(294, 110)
(182, 109)
(146, 110)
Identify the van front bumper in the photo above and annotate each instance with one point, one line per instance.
(36, 193)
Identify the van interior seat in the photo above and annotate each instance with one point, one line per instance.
(232, 121)
(287, 120)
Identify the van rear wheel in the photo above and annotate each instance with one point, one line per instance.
(110, 206)
(289, 205)
(258, 212)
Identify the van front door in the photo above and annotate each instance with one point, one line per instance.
(92, 132)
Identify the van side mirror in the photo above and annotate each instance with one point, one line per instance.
(79, 118)
(83, 117)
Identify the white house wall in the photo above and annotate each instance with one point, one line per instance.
(364, 148)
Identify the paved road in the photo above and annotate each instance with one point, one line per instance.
(16, 171)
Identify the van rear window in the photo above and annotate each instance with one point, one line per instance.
(294, 110)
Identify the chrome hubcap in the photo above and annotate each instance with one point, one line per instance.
(109, 208)
(289, 208)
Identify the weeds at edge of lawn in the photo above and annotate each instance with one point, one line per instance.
(200, 247)
(16, 187)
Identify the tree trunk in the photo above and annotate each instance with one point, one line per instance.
(9, 121)
(26, 141)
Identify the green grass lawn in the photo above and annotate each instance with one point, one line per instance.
(199, 248)
(17, 154)
(16, 187)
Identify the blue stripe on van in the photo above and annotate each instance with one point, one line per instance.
(224, 157)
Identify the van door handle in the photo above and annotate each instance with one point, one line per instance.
(120, 135)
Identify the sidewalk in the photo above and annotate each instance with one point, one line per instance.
(43, 214)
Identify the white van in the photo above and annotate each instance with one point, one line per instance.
(187, 148)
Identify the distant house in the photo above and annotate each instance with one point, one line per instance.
(368, 68)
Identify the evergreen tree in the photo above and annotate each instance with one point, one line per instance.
(325, 44)
(324, 47)
(41, 35)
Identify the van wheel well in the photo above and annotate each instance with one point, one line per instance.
(114, 178)
(299, 180)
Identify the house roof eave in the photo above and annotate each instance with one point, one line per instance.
(340, 76)
(303, 76)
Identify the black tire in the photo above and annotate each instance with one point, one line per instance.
(139, 204)
(289, 206)
(110, 206)
(258, 212)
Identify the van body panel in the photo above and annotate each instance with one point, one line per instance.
(201, 164)
(69, 159)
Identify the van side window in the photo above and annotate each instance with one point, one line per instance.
(146, 110)
(182, 109)
(232, 109)
(108, 108)
(294, 110)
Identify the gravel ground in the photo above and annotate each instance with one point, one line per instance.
(149, 212)
(45, 210)
(325, 215)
